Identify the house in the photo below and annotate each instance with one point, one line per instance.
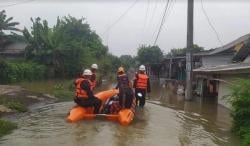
(13, 51)
(213, 70)
(221, 67)
(172, 70)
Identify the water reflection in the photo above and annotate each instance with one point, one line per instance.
(204, 112)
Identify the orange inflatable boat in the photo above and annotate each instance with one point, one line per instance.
(124, 116)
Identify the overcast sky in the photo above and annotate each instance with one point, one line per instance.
(231, 19)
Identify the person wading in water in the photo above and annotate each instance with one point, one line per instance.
(126, 95)
(141, 85)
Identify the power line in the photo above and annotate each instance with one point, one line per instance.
(120, 18)
(166, 16)
(210, 23)
(171, 6)
(10, 5)
(108, 33)
(162, 21)
(173, 2)
(146, 18)
(153, 18)
(154, 9)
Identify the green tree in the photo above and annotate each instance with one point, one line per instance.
(6, 24)
(65, 48)
(127, 61)
(182, 51)
(109, 64)
(149, 54)
(40, 41)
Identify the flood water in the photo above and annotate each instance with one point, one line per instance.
(166, 120)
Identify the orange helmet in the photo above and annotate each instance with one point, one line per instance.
(120, 69)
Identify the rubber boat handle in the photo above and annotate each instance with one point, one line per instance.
(101, 115)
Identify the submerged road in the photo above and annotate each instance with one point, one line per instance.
(166, 120)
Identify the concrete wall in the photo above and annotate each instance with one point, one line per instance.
(224, 88)
(215, 60)
(15, 48)
(247, 60)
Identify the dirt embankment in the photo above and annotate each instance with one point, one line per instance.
(14, 99)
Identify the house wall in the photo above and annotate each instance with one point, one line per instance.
(247, 60)
(13, 51)
(199, 87)
(164, 71)
(215, 60)
(224, 88)
(16, 47)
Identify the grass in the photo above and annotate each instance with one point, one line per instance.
(246, 139)
(63, 95)
(63, 90)
(6, 127)
(17, 106)
(14, 105)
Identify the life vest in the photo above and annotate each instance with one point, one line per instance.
(93, 81)
(79, 91)
(123, 81)
(142, 81)
(93, 84)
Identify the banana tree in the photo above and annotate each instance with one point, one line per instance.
(6, 24)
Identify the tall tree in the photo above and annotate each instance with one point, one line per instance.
(149, 54)
(66, 48)
(182, 51)
(127, 61)
(6, 24)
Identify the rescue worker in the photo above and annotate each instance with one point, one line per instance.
(83, 94)
(94, 67)
(125, 90)
(141, 85)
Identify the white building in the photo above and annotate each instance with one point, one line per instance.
(221, 67)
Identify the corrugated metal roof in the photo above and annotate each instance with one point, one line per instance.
(222, 68)
(244, 38)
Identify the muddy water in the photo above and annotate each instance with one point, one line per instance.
(166, 120)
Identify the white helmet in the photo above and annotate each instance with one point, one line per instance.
(87, 72)
(94, 66)
(142, 68)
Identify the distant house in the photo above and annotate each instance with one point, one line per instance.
(221, 66)
(13, 51)
(213, 70)
(174, 68)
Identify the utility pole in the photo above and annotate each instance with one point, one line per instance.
(190, 15)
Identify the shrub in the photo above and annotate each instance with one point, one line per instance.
(240, 100)
(6, 127)
(11, 72)
(17, 106)
(64, 91)
(247, 139)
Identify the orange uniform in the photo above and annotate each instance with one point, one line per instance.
(142, 81)
(79, 91)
